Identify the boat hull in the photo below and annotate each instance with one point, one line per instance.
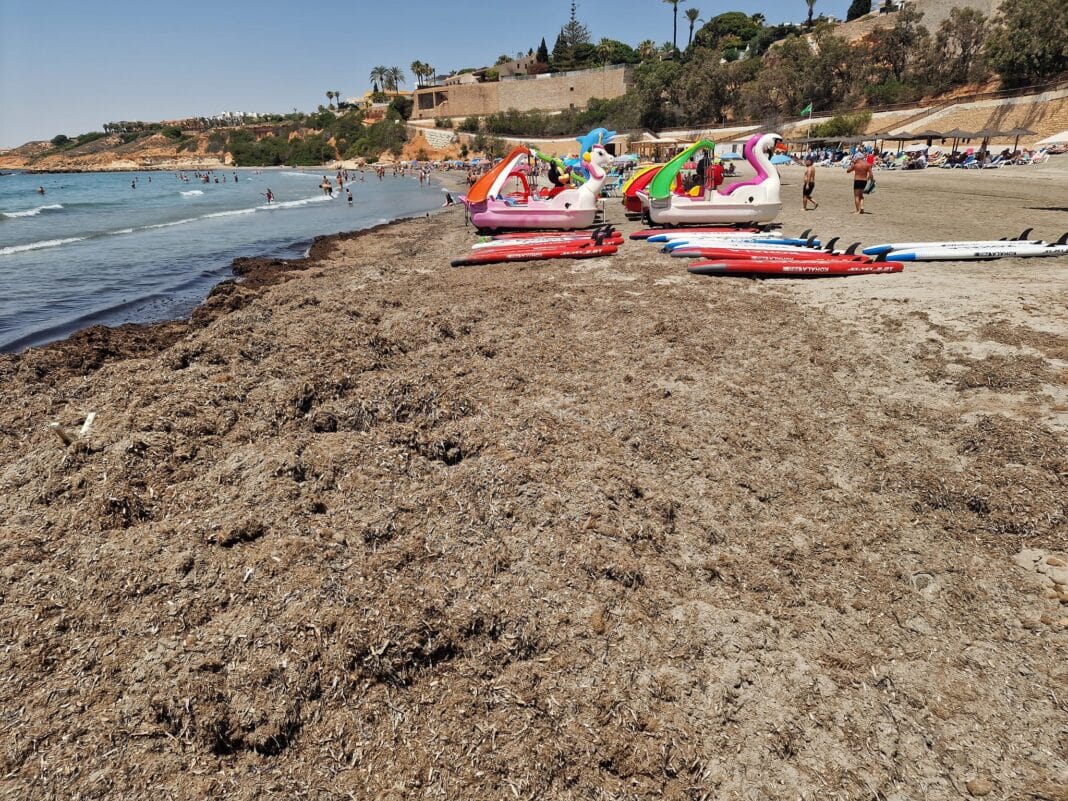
(679, 210)
(492, 214)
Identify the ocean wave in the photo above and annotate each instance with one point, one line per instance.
(227, 213)
(192, 193)
(168, 224)
(300, 174)
(292, 204)
(46, 243)
(32, 212)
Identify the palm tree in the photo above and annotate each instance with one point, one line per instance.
(811, 5)
(692, 14)
(417, 71)
(675, 23)
(337, 98)
(378, 78)
(329, 97)
(604, 51)
(394, 77)
(428, 73)
(646, 49)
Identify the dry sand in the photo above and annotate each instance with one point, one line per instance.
(367, 527)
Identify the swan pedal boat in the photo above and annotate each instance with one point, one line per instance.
(567, 209)
(754, 200)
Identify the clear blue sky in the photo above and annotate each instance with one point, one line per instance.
(68, 66)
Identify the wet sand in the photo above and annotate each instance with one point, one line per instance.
(370, 527)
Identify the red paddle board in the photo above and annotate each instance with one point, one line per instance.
(498, 255)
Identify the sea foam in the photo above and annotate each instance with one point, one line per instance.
(32, 212)
(46, 243)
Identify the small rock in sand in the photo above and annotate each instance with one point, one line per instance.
(980, 787)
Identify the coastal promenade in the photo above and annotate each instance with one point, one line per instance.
(366, 526)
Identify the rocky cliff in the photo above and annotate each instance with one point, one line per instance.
(154, 151)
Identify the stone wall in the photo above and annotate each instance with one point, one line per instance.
(549, 92)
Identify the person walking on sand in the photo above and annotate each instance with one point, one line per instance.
(861, 170)
(808, 185)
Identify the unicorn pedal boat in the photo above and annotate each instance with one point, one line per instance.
(568, 208)
(754, 200)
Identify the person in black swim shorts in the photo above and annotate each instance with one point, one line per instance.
(861, 170)
(808, 186)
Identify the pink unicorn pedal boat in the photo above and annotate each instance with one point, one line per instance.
(754, 200)
(490, 209)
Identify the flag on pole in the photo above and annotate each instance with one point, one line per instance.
(806, 110)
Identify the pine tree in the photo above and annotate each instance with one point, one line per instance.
(858, 8)
(543, 52)
(573, 34)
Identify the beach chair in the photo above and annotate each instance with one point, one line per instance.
(611, 186)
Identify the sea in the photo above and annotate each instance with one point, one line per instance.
(120, 247)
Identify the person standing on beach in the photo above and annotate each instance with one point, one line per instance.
(808, 185)
(861, 170)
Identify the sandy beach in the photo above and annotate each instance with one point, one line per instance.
(369, 527)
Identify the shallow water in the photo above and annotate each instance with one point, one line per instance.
(94, 249)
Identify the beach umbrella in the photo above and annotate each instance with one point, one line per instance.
(731, 156)
(957, 134)
(1018, 132)
(779, 158)
(929, 134)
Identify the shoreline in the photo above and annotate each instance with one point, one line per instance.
(102, 344)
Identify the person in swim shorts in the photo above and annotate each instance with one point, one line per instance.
(861, 170)
(808, 185)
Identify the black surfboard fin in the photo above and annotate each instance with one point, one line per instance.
(880, 257)
(852, 249)
(830, 245)
(1063, 240)
(805, 234)
(1025, 233)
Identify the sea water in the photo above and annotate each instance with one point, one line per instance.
(112, 248)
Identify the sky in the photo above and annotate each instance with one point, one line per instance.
(68, 67)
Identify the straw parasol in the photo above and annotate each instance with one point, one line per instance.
(1018, 132)
(929, 134)
(986, 135)
(957, 134)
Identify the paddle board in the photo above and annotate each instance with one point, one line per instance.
(982, 253)
(534, 254)
(793, 269)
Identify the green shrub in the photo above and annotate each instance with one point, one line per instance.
(843, 125)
